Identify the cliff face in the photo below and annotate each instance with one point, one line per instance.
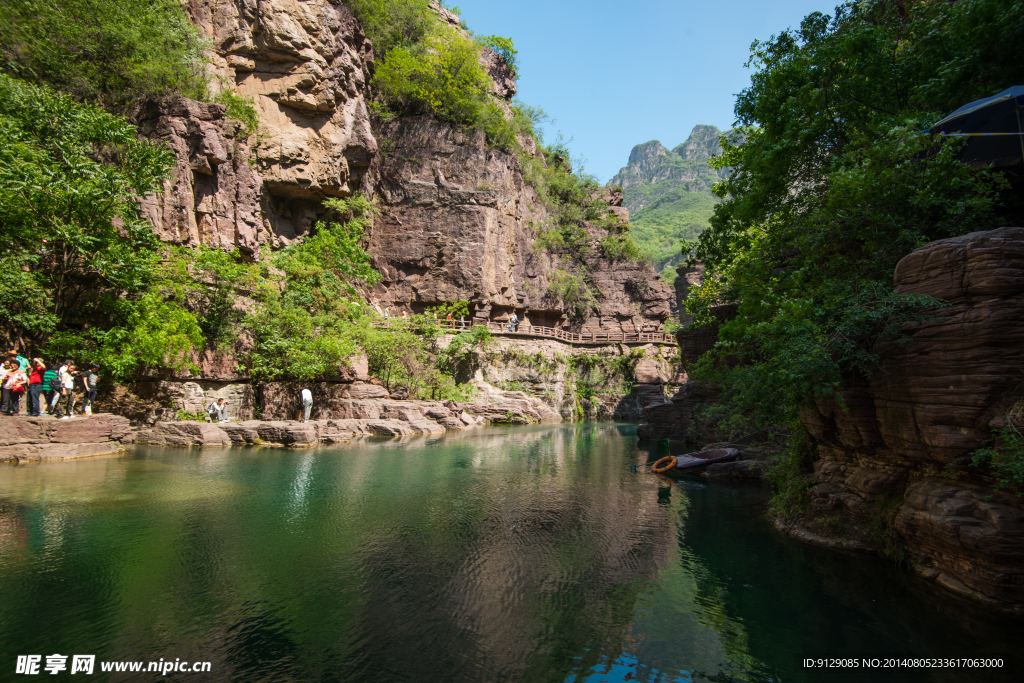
(457, 223)
(931, 404)
(305, 65)
(456, 216)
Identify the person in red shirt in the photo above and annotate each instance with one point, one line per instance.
(35, 385)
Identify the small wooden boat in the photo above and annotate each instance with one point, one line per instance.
(693, 462)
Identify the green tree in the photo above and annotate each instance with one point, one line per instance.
(81, 258)
(834, 183)
(109, 50)
(309, 320)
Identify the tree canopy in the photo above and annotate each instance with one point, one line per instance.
(835, 182)
(108, 50)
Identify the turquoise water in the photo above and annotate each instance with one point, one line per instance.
(499, 554)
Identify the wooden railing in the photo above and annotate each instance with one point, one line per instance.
(548, 332)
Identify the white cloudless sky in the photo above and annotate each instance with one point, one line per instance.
(614, 74)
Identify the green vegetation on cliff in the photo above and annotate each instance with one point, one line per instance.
(835, 182)
(668, 194)
(104, 50)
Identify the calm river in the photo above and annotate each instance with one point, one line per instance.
(500, 554)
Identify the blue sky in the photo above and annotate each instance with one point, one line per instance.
(614, 74)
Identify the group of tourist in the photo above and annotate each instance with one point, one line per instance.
(50, 392)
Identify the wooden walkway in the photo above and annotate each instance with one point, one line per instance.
(535, 331)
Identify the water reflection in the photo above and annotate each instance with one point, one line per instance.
(518, 554)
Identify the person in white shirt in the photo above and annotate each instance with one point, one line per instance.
(67, 389)
(307, 403)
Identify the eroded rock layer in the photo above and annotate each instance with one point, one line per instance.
(905, 435)
(29, 439)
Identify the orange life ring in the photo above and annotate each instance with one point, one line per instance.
(665, 464)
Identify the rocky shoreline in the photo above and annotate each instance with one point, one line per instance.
(33, 439)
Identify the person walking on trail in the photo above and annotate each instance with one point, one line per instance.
(462, 321)
(385, 314)
(35, 386)
(218, 411)
(90, 380)
(513, 322)
(307, 403)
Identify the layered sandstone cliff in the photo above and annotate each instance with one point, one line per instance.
(305, 66)
(457, 217)
(904, 436)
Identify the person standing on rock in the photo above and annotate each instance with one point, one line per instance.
(5, 372)
(51, 384)
(90, 380)
(67, 389)
(14, 387)
(35, 386)
(307, 403)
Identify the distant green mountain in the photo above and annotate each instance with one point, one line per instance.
(668, 194)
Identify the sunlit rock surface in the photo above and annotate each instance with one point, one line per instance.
(27, 439)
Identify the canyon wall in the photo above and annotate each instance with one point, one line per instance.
(905, 436)
(305, 66)
(457, 220)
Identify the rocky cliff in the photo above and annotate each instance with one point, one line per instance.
(305, 66)
(456, 216)
(456, 220)
(903, 437)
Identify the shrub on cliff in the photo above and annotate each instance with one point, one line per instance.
(108, 50)
(835, 183)
(441, 75)
(307, 315)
